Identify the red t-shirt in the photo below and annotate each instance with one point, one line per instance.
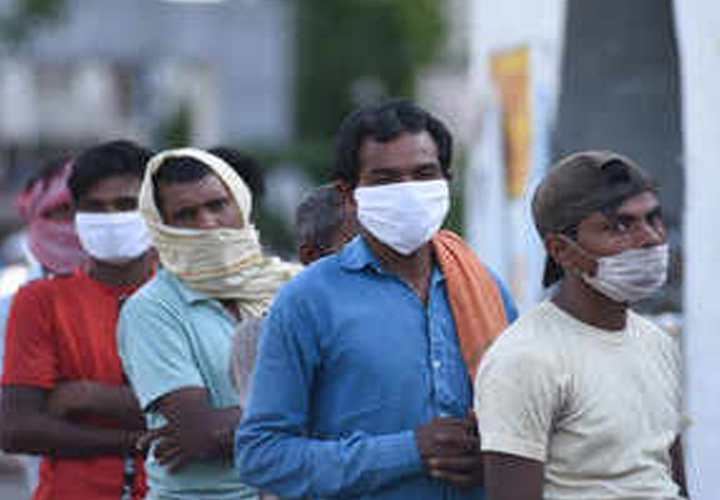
(64, 329)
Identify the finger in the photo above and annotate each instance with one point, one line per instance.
(145, 440)
(462, 441)
(166, 447)
(461, 465)
(461, 480)
(167, 454)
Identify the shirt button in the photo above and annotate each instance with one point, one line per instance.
(437, 364)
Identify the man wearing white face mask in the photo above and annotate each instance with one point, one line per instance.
(175, 335)
(362, 385)
(581, 397)
(64, 395)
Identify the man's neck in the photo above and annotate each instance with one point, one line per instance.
(131, 273)
(584, 303)
(414, 269)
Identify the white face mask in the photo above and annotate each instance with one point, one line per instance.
(115, 237)
(404, 215)
(631, 275)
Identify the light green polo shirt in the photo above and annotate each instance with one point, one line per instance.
(171, 337)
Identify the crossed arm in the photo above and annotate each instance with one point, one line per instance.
(38, 421)
(194, 430)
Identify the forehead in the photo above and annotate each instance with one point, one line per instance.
(114, 186)
(197, 192)
(636, 207)
(408, 149)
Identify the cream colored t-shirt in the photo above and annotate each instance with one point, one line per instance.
(600, 409)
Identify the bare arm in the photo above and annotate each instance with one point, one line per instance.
(73, 398)
(509, 477)
(678, 466)
(29, 427)
(195, 430)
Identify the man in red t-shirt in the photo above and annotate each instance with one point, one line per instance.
(64, 394)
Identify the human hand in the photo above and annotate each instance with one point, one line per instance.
(174, 447)
(450, 450)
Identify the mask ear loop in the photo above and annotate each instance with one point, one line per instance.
(580, 260)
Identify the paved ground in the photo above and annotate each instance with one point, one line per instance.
(12, 486)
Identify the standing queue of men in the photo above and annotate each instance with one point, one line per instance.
(179, 361)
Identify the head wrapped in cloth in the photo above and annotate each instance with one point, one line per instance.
(46, 207)
(224, 263)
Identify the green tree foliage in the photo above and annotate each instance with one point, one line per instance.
(352, 51)
(25, 16)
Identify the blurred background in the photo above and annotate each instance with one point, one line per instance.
(520, 82)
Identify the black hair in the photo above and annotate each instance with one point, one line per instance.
(177, 170)
(384, 122)
(121, 157)
(320, 215)
(246, 166)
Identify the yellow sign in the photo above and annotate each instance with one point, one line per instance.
(511, 73)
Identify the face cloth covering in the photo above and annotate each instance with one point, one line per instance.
(225, 263)
(52, 241)
(403, 215)
(631, 275)
(114, 237)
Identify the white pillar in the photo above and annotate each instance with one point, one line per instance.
(499, 227)
(698, 37)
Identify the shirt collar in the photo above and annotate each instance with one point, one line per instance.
(357, 255)
(188, 294)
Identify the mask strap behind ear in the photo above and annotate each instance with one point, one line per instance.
(575, 245)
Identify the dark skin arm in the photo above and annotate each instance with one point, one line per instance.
(70, 399)
(195, 430)
(450, 450)
(509, 477)
(678, 466)
(29, 427)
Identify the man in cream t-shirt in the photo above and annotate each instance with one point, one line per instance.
(581, 397)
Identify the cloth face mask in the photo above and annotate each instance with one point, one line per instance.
(115, 237)
(631, 275)
(404, 215)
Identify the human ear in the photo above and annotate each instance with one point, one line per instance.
(347, 194)
(307, 254)
(570, 255)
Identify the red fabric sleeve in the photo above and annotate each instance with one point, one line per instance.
(31, 356)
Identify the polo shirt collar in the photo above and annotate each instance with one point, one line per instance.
(188, 294)
(357, 255)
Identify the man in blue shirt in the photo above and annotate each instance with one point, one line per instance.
(360, 388)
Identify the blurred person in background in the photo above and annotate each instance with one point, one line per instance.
(582, 397)
(362, 386)
(53, 248)
(175, 334)
(325, 222)
(249, 170)
(51, 243)
(64, 394)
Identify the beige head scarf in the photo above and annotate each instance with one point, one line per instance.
(222, 263)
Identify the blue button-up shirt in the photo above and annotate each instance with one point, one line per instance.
(351, 363)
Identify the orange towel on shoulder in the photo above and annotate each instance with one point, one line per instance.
(474, 295)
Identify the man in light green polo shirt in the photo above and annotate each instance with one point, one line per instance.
(175, 335)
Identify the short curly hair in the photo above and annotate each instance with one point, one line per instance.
(384, 122)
